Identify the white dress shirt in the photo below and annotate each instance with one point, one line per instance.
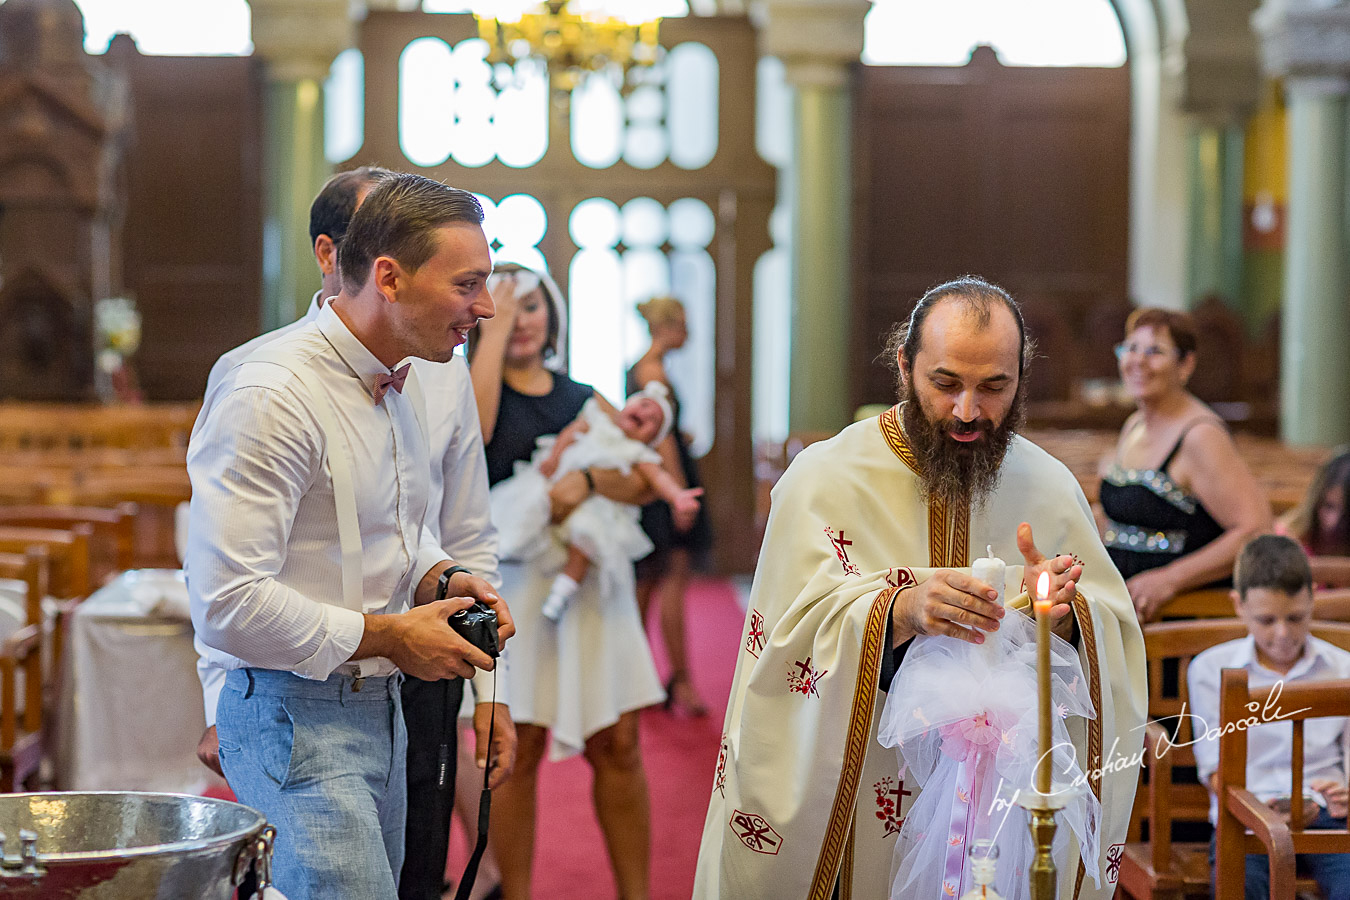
(264, 558)
(457, 505)
(1270, 746)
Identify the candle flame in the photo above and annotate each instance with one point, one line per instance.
(1042, 592)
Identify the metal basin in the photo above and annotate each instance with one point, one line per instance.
(114, 845)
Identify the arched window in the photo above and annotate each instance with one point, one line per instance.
(170, 27)
(1024, 32)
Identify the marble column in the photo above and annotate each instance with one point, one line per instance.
(297, 39)
(1307, 42)
(1218, 86)
(818, 40)
(1215, 261)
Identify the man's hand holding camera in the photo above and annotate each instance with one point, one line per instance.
(422, 643)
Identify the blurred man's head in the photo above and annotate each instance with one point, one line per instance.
(961, 357)
(1272, 593)
(331, 213)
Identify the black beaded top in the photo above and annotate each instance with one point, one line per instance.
(1151, 520)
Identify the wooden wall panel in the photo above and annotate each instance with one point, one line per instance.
(193, 235)
(1016, 174)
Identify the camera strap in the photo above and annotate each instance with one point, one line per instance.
(484, 808)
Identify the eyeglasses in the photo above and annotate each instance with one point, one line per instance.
(1153, 351)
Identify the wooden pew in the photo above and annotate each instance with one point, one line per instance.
(21, 720)
(113, 531)
(57, 426)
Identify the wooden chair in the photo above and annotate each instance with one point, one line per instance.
(113, 549)
(21, 721)
(68, 578)
(1160, 867)
(1239, 809)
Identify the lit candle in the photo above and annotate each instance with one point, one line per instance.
(1042, 606)
(993, 572)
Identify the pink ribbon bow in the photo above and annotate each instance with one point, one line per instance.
(393, 380)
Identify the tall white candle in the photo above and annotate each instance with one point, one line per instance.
(1041, 605)
(993, 572)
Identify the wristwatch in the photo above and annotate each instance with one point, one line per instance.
(443, 585)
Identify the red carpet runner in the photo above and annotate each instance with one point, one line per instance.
(679, 753)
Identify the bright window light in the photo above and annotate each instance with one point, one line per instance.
(170, 27)
(1024, 32)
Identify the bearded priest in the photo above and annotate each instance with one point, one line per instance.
(868, 546)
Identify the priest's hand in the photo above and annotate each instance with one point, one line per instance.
(953, 603)
(1064, 574)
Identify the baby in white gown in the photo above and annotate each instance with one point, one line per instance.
(599, 531)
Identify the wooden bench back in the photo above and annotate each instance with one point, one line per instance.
(68, 550)
(113, 528)
(67, 426)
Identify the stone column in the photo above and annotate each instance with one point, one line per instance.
(297, 40)
(1307, 42)
(818, 41)
(1218, 84)
(1215, 262)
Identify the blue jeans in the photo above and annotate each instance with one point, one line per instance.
(1331, 871)
(325, 763)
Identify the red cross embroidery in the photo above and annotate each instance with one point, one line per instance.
(720, 782)
(841, 550)
(888, 810)
(754, 641)
(1113, 855)
(805, 679)
(756, 833)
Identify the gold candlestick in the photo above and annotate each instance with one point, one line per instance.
(1044, 876)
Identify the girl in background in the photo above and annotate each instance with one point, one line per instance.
(680, 541)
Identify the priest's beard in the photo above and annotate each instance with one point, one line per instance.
(952, 471)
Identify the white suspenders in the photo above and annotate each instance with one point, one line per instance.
(339, 465)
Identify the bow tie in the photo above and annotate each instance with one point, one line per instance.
(395, 379)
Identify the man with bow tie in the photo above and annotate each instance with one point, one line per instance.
(312, 577)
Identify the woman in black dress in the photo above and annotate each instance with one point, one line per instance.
(665, 573)
(1180, 503)
(585, 678)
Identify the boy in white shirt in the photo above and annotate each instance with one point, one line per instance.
(1273, 596)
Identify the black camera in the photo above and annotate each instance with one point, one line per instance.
(478, 626)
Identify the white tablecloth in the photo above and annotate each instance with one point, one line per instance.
(131, 706)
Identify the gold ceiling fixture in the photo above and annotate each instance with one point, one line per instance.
(575, 39)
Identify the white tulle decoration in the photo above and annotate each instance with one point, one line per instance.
(963, 719)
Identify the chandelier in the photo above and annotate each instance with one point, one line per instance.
(575, 39)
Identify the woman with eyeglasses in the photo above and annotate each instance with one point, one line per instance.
(1179, 501)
